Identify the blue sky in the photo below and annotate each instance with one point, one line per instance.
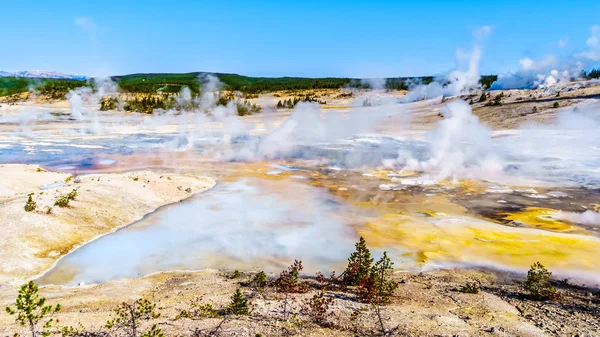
(277, 38)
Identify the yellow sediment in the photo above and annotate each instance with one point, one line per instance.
(471, 241)
(541, 218)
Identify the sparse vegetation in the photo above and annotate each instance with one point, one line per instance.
(538, 286)
(30, 205)
(290, 103)
(32, 312)
(63, 200)
(108, 103)
(149, 103)
(469, 288)
(289, 280)
(497, 101)
(318, 309)
(555, 105)
(239, 304)
(483, 97)
(127, 319)
(198, 311)
(259, 280)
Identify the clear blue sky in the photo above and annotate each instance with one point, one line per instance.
(276, 38)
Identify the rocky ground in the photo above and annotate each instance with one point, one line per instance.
(425, 304)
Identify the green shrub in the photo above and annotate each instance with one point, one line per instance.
(71, 195)
(31, 310)
(469, 288)
(537, 286)
(317, 309)
(155, 331)
(239, 304)
(289, 280)
(30, 205)
(62, 201)
(128, 317)
(108, 103)
(259, 280)
(198, 311)
(555, 105)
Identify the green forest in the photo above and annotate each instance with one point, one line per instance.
(54, 88)
(173, 83)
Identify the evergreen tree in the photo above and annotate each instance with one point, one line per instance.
(239, 304)
(359, 264)
(538, 284)
(483, 97)
(31, 309)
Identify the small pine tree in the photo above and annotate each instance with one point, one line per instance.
(239, 304)
(155, 331)
(538, 285)
(289, 280)
(555, 105)
(483, 97)
(30, 205)
(379, 287)
(318, 308)
(259, 280)
(359, 264)
(30, 310)
(128, 317)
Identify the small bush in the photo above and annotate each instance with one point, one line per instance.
(30, 205)
(483, 97)
(537, 286)
(236, 274)
(259, 280)
(72, 194)
(128, 317)
(31, 310)
(555, 105)
(534, 110)
(289, 280)
(62, 201)
(155, 331)
(469, 288)
(198, 311)
(317, 309)
(239, 304)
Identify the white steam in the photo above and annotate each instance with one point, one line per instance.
(586, 218)
(460, 81)
(459, 147)
(551, 70)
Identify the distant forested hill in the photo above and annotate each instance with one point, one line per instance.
(173, 83)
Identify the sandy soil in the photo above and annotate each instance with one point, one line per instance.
(425, 304)
(33, 241)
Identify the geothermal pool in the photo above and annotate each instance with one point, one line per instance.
(461, 195)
